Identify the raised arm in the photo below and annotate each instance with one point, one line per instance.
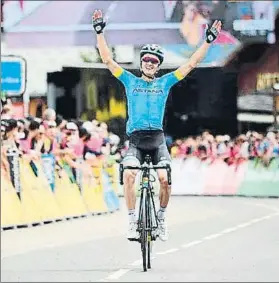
(211, 35)
(98, 25)
(105, 53)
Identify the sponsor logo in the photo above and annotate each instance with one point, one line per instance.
(146, 90)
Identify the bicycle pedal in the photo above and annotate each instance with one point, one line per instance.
(154, 237)
(133, 240)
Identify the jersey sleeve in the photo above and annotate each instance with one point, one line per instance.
(123, 75)
(172, 78)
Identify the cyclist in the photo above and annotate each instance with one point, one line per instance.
(146, 97)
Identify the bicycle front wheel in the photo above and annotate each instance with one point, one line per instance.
(149, 230)
(143, 230)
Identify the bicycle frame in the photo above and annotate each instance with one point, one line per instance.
(147, 193)
(146, 207)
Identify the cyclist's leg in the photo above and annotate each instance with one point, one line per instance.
(132, 158)
(162, 157)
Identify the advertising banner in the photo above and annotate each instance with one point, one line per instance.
(250, 178)
(48, 164)
(260, 180)
(13, 159)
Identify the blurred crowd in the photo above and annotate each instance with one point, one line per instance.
(69, 141)
(249, 146)
(73, 140)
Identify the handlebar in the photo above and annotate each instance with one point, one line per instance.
(145, 166)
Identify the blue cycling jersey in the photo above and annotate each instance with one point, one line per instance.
(146, 100)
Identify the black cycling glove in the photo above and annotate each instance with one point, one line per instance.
(211, 34)
(98, 21)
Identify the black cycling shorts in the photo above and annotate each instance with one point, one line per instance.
(148, 142)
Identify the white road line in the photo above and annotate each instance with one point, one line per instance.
(136, 262)
(229, 230)
(167, 252)
(248, 223)
(243, 225)
(271, 207)
(188, 245)
(213, 236)
(116, 275)
(268, 216)
(139, 262)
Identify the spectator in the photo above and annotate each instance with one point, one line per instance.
(49, 115)
(50, 141)
(60, 123)
(6, 112)
(206, 147)
(92, 142)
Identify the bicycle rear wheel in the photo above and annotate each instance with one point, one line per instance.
(143, 230)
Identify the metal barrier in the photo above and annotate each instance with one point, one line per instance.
(35, 192)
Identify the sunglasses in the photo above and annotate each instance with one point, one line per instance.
(151, 60)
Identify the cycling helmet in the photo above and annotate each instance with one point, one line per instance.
(153, 49)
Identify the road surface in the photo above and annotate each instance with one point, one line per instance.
(211, 239)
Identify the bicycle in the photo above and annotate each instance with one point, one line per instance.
(147, 225)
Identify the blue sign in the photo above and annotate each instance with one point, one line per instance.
(13, 75)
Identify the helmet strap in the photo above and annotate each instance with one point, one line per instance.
(152, 78)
